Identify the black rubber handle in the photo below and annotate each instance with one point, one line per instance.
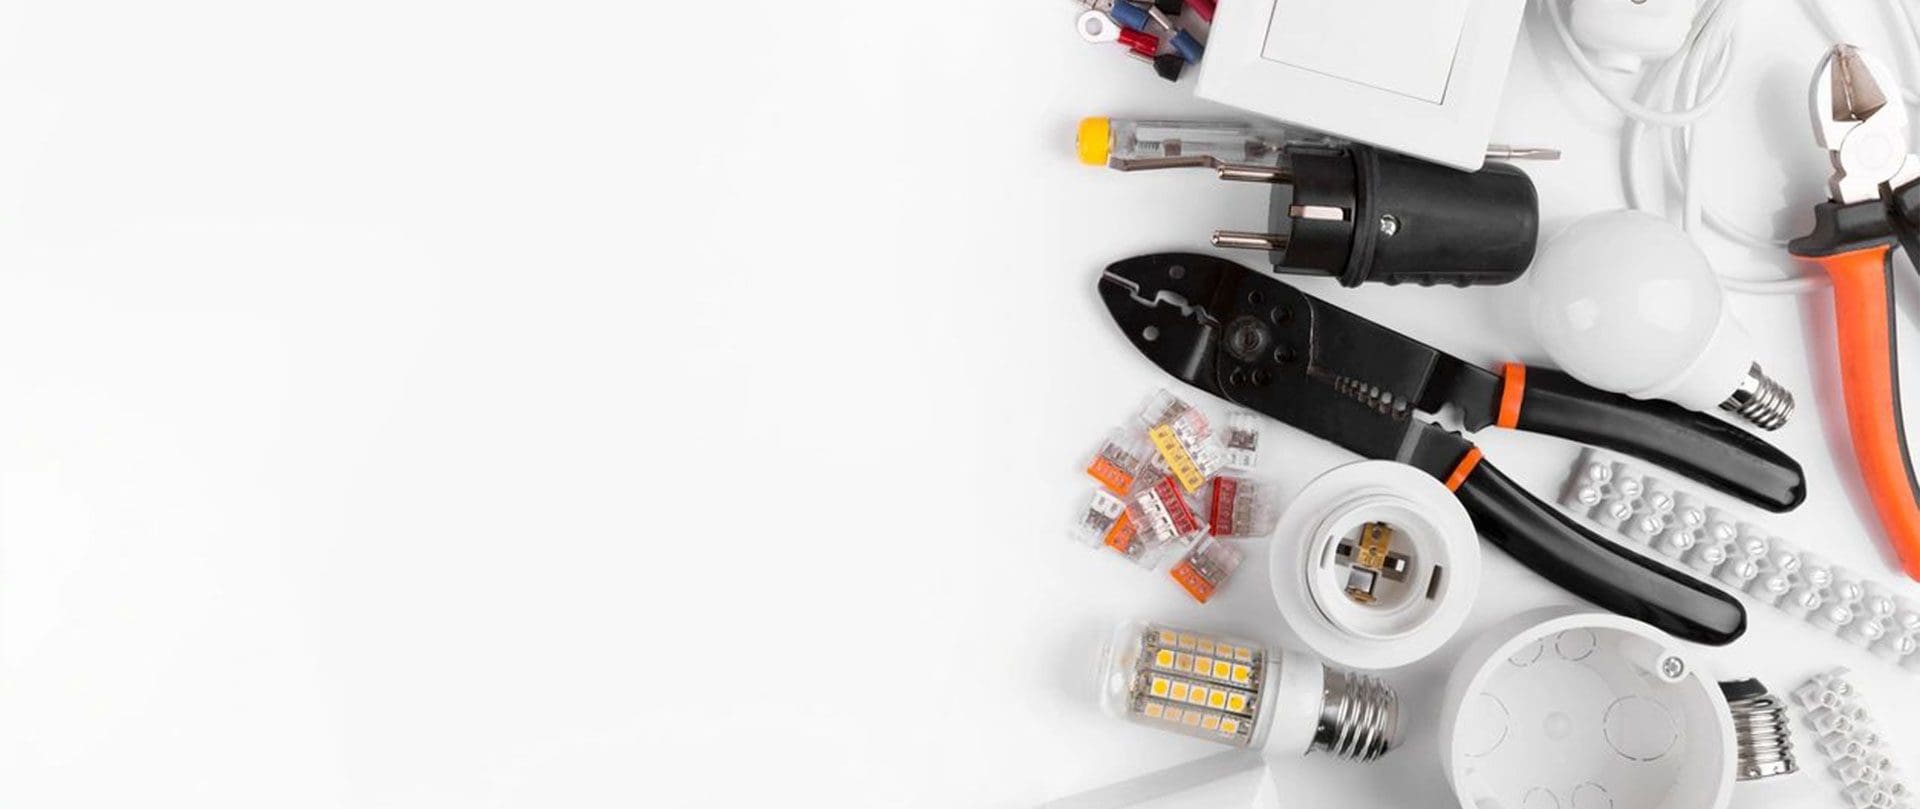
(1694, 444)
(1590, 567)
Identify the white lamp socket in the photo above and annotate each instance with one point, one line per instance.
(1409, 612)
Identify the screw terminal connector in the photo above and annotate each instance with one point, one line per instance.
(1856, 752)
(1624, 500)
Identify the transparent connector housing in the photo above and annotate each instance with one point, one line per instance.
(1241, 694)
(1107, 522)
(1189, 423)
(1120, 461)
(1240, 441)
(1204, 570)
(1181, 436)
(1241, 507)
(1164, 515)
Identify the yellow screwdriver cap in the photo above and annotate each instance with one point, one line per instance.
(1094, 140)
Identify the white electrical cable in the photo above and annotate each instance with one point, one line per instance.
(1681, 91)
(1633, 108)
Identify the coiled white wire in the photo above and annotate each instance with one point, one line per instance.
(1683, 89)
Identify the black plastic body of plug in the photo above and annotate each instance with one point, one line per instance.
(1407, 220)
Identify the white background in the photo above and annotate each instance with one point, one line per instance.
(585, 403)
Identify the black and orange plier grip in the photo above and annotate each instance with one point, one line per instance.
(1875, 204)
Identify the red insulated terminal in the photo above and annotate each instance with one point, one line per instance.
(1204, 8)
(1141, 42)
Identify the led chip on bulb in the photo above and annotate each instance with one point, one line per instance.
(1160, 687)
(1237, 703)
(1163, 659)
(1211, 722)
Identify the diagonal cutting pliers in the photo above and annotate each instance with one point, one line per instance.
(1874, 204)
(1256, 341)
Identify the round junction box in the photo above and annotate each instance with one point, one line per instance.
(1556, 709)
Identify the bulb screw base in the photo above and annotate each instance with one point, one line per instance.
(1761, 401)
(1359, 717)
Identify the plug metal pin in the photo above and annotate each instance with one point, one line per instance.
(1247, 240)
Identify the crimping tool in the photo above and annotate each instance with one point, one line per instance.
(1253, 340)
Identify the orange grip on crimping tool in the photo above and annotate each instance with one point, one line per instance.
(1863, 309)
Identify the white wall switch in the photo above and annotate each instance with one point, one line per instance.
(1421, 77)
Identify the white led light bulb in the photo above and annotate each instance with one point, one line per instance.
(1625, 302)
(1242, 694)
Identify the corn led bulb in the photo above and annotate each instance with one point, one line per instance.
(1242, 694)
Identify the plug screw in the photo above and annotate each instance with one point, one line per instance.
(1389, 225)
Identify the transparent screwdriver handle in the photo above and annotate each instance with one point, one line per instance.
(1129, 143)
(1103, 141)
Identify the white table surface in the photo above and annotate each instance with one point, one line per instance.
(429, 404)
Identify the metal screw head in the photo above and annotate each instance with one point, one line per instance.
(1673, 667)
(1389, 225)
(1247, 339)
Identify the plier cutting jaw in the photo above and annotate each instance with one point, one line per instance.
(1874, 204)
(1864, 134)
(1255, 341)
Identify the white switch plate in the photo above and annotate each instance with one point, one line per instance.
(1421, 77)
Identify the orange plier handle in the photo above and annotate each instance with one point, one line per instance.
(1853, 243)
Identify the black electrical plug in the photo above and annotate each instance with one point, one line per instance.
(1359, 214)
